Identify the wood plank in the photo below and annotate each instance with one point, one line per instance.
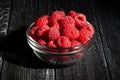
(4, 16)
(4, 19)
(109, 23)
(19, 61)
(93, 65)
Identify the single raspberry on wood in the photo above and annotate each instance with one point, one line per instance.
(53, 33)
(63, 42)
(42, 21)
(70, 32)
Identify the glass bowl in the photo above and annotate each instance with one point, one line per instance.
(58, 56)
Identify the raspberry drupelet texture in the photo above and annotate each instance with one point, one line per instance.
(85, 34)
(53, 33)
(51, 44)
(41, 42)
(80, 20)
(42, 21)
(72, 13)
(70, 32)
(75, 43)
(42, 31)
(67, 21)
(58, 14)
(63, 42)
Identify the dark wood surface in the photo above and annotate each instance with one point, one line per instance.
(17, 61)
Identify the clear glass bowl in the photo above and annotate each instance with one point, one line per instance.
(58, 56)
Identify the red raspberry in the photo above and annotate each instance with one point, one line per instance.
(78, 55)
(68, 21)
(42, 42)
(90, 28)
(42, 31)
(52, 19)
(85, 34)
(58, 14)
(70, 32)
(53, 33)
(33, 32)
(72, 13)
(75, 43)
(54, 24)
(80, 20)
(51, 44)
(42, 21)
(63, 42)
(64, 58)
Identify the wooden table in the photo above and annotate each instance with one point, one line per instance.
(17, 61)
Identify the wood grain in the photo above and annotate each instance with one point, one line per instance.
(109, 23)
(4, 16)
(4, 20)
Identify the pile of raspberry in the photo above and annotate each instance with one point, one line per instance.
(62, 30)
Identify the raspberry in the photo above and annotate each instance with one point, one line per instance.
(53, 33)
(70, 32)
(63, 42)
(33, 32)
(68, 21)
(42, 42)
(54, 24)
(78, 55)
(58, 14)
(80, 20)
(42, 31)
(75, 43)
(42, 21)
(52, 19)
(51, 44)
(90, 28)
(85, 34)
(64, 58)
(72, 13)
